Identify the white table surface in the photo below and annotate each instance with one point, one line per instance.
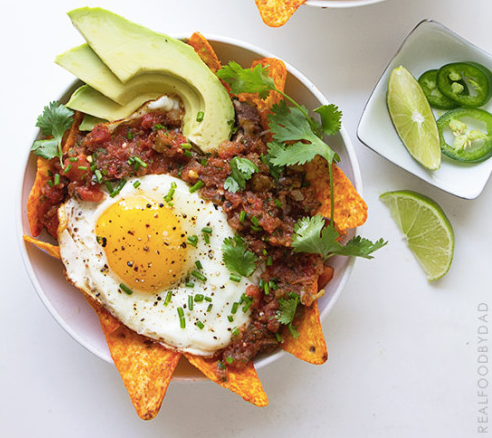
(405, 355)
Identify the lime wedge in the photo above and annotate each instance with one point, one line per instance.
(427, 230)
(413, 118)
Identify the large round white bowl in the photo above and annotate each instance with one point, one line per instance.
(67, 304)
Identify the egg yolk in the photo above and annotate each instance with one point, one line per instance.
(144, 243)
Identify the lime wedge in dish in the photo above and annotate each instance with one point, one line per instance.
(427, 230)
(413, 119)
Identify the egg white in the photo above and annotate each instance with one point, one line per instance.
(87, 268)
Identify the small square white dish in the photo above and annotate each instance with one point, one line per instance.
(430, 45)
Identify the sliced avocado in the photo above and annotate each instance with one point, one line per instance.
(90, 101)
(143, 61)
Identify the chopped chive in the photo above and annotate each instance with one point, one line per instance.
(230, 318)
(209, 299)
(185, 146)
(125, 289)
(109, 186)
(278, 203)
(168, 198)
(207, 230)
(199, 184)
(118, 188)
(199, 275)
(56, 179)
(235, 277)
(190, 302)
(199, 116)
(255, 228)
(273, 285)
(209, 308)
(189, 284)
(50, 183)
(206, 237)
(129, 135)
(200, 325)
(261, 283)
(136, 184)
(82, 167)
(140, 161)
(254, 221)
(279, 338)
(187, 153)
(98, 174)
(247, 305)
(67, 169)
(168, 298)
(220, 365)
(199, 298)
(269, 261)
(192, 240)
(265, 252)
(204, 162)
(93, 167)
(198, 264)
(182, 321)
(234, 307)
(235, 331)
(73, 159)
(229, 359)
(242, 216)
(266, 288)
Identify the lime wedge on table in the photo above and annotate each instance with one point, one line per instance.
(427, 230)
(413, 118)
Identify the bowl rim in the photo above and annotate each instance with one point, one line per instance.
(340, 3)
(262, 361)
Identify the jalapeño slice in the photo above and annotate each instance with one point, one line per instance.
(466, 134)
(466, 83)
(429, 86)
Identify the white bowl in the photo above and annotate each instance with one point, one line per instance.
(340, 3)
(67, 304)
(430, 45)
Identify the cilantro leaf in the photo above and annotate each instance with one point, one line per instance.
(54, 121)
(331, 118)
(313, 236)
(236, 256)
(246, 80)
(289, 124)
(287, 311)
(242, 170)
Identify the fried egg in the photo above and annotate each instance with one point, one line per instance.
(151, 255)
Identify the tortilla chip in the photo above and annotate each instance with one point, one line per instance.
(276, 13)
(52, 250)
(310, 345)
(34, 210)
(69, 139)
(146, 367)
(244, 382)
(350, 208)
(278, 72)
(205, 51)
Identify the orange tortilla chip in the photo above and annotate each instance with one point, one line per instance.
(52, 250)
(244, 382)
(146, 367)
(34, 210)
(278, 72)
(350, 208)
(310, 345)
(276, 13)
(205, 51)
(69, 139)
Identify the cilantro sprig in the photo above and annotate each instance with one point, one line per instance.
(236, 256)
(287, 311)
(242, 170)
(298, 137)
(53, 122)
(312, 235)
